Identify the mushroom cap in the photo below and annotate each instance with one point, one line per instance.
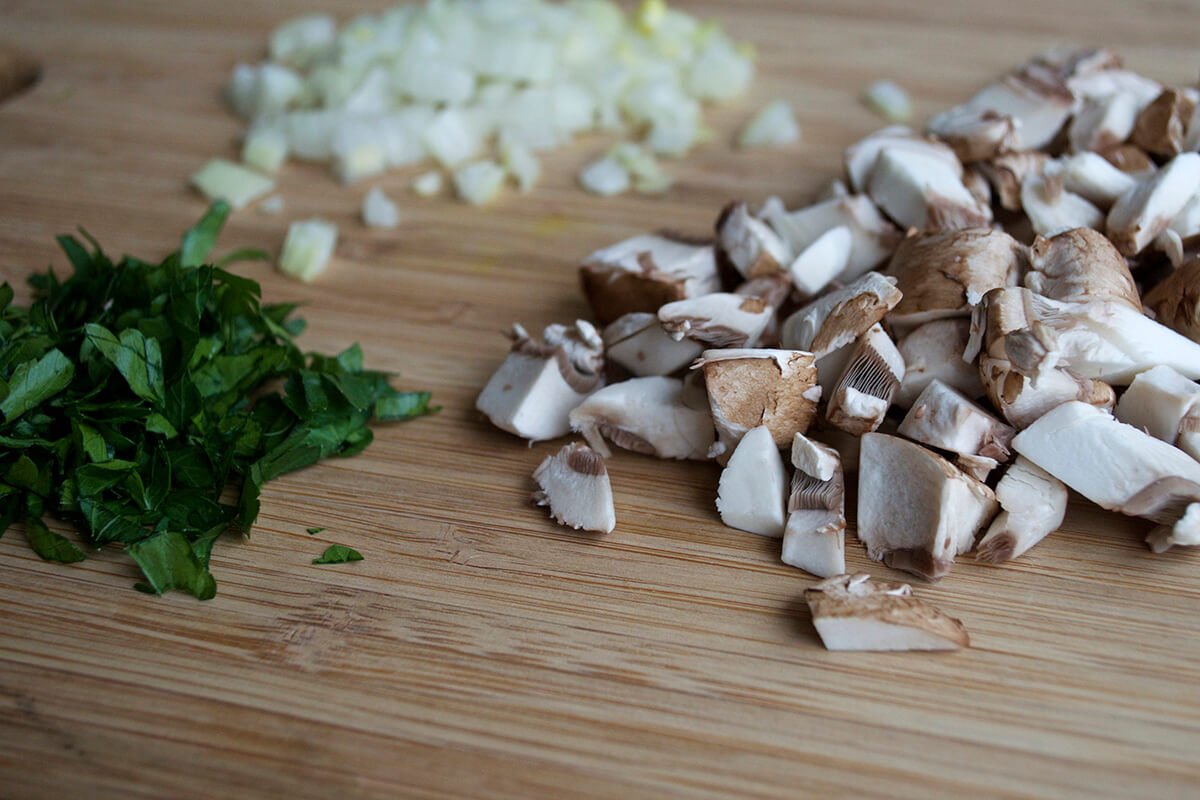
(749, 388)
(1176, 300)
(947, 273)
(1080, 265)
(841, 316)
(646, 415)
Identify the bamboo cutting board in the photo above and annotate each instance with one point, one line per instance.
(480, 650)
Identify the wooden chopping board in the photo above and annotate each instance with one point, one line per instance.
(480, 650)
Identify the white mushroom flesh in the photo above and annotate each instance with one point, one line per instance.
(943, 418)
(1033, 504)
(646, 415)
(574, 484)
(638, 343)
(934, 351)
(753, 485)
(720, 319)
(916, 511)
(1144, 212)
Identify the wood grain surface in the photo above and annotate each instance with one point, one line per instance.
(480, 650)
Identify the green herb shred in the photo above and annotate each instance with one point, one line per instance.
(338, 554)
(133, 394)
(315, 531)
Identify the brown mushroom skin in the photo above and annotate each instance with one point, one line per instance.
(1081, 265)
(613, 297)
(1162, 125)
(1176, 301)
(943, 274)
(750, 392)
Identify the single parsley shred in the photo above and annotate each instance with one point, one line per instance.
(133, 393)
(338, 554)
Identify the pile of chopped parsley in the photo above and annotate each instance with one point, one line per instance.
(134, 394)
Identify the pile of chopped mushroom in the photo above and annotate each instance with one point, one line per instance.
(973, 320)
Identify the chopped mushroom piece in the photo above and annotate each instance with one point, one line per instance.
(750, 495)
(1032, 505)
(1052, 209)
(638, 343)
(978, 467)
(943, 418)
(1078, 266)
(1103, 122)
(822, 261)
(815, 537)
(1093, 178)
(1006, 173)
(916, 510)
(935, 351)
(874, 237)
(720, 319)
(1176, 301)
(1025, 110)
(1115, 465)
(860, 157)
(1101, 339)
(1146, 211)
(749, 388)
(1132, 160)
(865, 390)
(574, 485)
(749, 243)
(646, 272)
(1192, 143)
(857, 612)
(651, 416)
(1162, 125)
(1165, 405)
(919, 191)
(813, 458)
(835, 319)
(538, 384)
(946, 274)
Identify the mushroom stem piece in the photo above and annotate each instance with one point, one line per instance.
(857, 612)
(943, 418)
(1115, 465)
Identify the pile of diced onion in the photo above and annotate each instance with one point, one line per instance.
(480, 87)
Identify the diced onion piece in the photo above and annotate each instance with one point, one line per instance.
(451, 137)
(224, 180)
(379, 211)
(427, 184)
(480, 182)
(645, 170)
(521, 163)
(358, 151)
(310, 134)
(889, 100)
(720, 73)
(606, 177)
(266, 147)
(307, 248)
(299, 41)
(272, 205)
(774, 126)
